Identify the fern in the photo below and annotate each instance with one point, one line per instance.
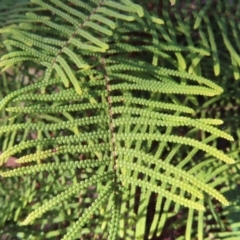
(99, 113)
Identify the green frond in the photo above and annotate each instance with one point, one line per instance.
(68, 72)
(61, 150)
(71, 33)
(211, 121)
(164, 88)
(138, 9)
(182, 140)
(111, 13)
(201, 14)
(175, 198)
(200, 225)
(11, 12)
(54, 166)
(103, 20)
(175, 171)
(107, 130)
(75, 107)
(189, 224)
(161, 177)
(73, 230)
(154, 104)
(64, 195)
(168, 72)
(175, 122)
(24, 90)
(55, 126)
(114, 224)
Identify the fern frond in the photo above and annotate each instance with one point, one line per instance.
(64, 195)
(178, 172)
(73, 230)
(110, 100)
(54, 166)
(175, 198)
(52, 55)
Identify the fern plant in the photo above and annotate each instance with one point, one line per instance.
(105, 121)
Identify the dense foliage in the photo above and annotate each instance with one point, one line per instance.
(119, 119)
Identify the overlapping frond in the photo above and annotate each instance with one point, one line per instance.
(113, 111)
